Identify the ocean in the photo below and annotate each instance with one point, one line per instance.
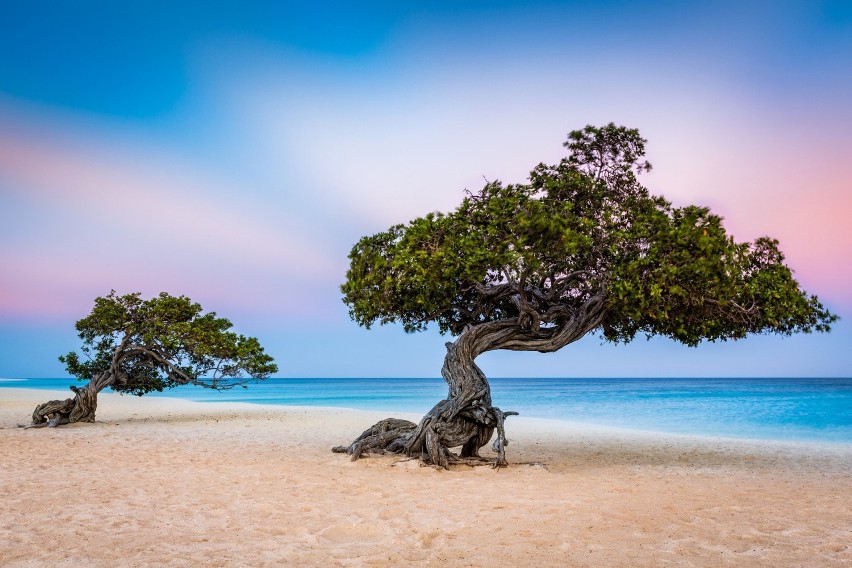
(808, 410)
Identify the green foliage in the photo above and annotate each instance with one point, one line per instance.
(581, 229)
(151, 345)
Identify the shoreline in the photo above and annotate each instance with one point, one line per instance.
(568, 426)
(563, 441)
(164, 481)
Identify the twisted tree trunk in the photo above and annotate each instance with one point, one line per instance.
(466, 418)
(81, 408)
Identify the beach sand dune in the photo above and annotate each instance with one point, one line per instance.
(165, 482)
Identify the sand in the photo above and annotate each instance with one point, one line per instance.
(165, 482)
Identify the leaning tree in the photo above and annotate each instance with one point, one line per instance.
(582, 248)
(137, 346)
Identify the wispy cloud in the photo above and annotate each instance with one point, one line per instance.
(107, 214)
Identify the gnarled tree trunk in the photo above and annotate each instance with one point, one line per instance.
(466, 418)
(81, 408)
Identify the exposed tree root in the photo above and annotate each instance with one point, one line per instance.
(388, 435)
(431, 440)
(81, 408)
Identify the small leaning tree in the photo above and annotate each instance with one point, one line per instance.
(138, 346)
(582, 248)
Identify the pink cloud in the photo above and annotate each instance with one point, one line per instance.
(146, 198)
(101, 215)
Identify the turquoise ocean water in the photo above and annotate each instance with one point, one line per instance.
(814, 410)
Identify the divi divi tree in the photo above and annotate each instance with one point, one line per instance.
(581, 248)
(137, 346)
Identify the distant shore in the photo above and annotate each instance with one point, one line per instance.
(171, 482)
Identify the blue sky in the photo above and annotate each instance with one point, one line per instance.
(234, 152)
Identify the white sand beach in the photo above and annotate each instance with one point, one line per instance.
(166, 482)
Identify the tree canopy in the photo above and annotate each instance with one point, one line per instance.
(156, 344)
(582, 241)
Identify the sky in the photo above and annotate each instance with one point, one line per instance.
(235, 151)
